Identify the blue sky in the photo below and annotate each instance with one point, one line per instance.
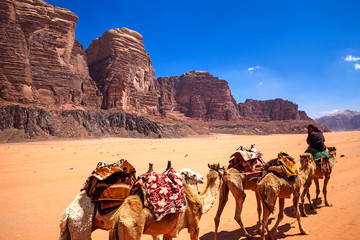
(307, 52)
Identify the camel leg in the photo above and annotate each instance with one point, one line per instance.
(307, 192)
(265, 223)
(297, 213)
(316, 180)
(240, 198)
(194, 235)
(326, 181)
(271, 201)
(258, 202)
(224, 194)
(280, 216)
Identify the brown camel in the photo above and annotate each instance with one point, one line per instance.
(236, 182)
(80, 219)
(317, 173)
(272, 187)
(133, 219)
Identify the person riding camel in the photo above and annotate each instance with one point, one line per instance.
(315, 138)
(317, 148)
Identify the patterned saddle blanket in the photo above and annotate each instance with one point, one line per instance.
(247, 160)
(110, 184)
(164, 192)
(286, 165)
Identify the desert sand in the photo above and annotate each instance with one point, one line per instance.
(40, 179)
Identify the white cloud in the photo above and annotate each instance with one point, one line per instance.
(350, 58)
(253, 68)
(260, 83)
(357, 66)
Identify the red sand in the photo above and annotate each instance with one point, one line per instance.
(40, 179)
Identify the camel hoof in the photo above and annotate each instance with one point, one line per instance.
(305, 233)
(328, 204)
(248, 236)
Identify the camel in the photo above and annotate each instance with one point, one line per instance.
(272, 187)
(80, 219)
(316, 174)
(132, 219)
(237, 182)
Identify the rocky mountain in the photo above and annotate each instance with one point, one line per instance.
(269, 110)
(41, 62)
(198, 94)
(123, 72)
(50, 87)
(347, 120)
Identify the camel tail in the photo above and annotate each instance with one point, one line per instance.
(113, 233)
(264, 196)
(64, 230)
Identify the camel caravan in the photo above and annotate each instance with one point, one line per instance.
(156, 204)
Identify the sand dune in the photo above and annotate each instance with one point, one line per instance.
(40, 179)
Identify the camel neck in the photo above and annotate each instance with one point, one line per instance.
(208, 197)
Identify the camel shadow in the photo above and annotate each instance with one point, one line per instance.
(236, 234)
(289, 211)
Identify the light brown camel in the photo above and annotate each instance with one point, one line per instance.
(80, 219)
(237, 183)
(272, 187)
(317, 173)
(133, 219)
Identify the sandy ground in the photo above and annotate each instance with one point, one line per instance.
(39, 180)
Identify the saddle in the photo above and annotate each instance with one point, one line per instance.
(284, 166)
(163, 193)
(324, 164)
(110, 184)
(247, 160)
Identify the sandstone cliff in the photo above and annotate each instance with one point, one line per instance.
(198, 94)
(41, 62)
(123, 72)
(269, 110)
(347, 120)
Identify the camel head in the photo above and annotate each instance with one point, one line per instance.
(305, 160)
(215, 172)
(332, 151)
(191, 177)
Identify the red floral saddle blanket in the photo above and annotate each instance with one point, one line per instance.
(164, 192)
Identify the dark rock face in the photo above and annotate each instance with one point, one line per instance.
(123, 72)
(76, 123)
(41, 62)
(270, 110)
(198, 94)
(348, 120)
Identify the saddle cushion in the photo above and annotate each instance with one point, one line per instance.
(165, 192)
(317, 155)
(110, 183)
(254, 165)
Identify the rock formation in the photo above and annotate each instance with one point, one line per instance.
(29, 123)
(277, 109)
(41, 62)
(347, 120)
(198, 94)
(51, 87)
(123, 72)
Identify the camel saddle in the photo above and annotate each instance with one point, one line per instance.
(110, 184)
(247, 160)
(284, 166)
(163, 193)
(324, 164)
